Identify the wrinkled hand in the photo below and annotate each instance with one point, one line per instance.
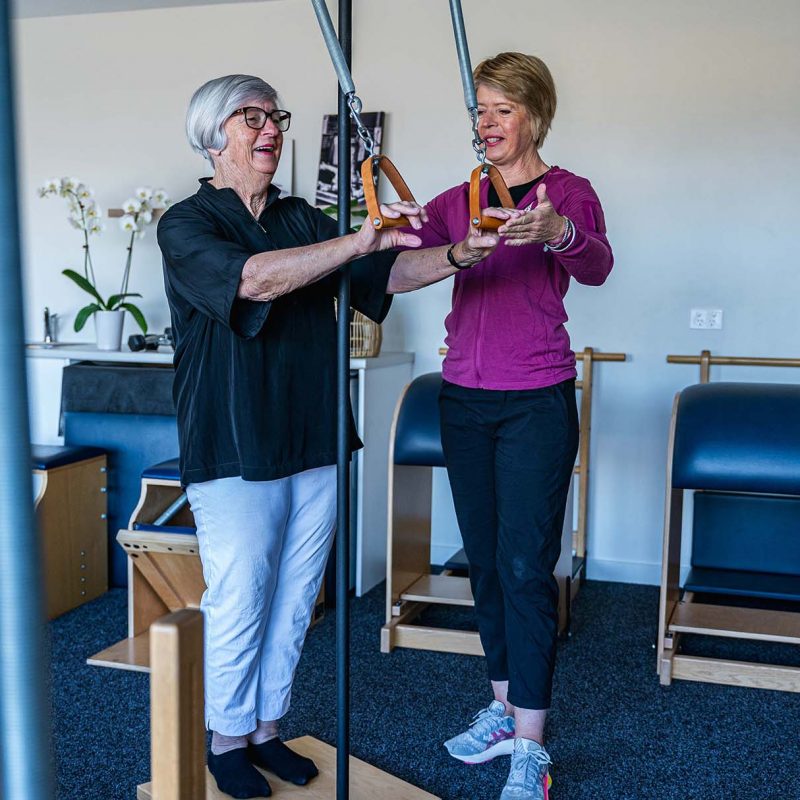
(542, 224)
(476, 246)
(368, 240)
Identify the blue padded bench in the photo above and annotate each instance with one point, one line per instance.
(71, 508)
(736, 447)
(415, 449)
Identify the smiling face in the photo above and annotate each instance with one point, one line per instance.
(250, 152)
(505, 126)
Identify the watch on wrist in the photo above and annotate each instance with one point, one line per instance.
(452, 259)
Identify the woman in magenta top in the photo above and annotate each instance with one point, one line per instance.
(508, 411)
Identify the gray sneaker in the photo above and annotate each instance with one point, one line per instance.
(490, 734)
(529, 778)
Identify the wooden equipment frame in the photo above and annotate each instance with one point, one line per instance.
(410, 586)
(71, 511)
(164, 574)
(177, 747)
(678, 613)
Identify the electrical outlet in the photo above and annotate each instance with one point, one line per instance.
(705, 318)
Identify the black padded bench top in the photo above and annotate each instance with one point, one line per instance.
(743, 584)
(45, 456)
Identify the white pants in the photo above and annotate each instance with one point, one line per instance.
(263, 546)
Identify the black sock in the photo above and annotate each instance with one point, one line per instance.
(236, 776)
(275, 756)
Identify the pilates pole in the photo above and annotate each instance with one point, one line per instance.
(343, 436)
(24, 719)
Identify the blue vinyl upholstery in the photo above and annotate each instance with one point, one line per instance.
(418, 440)
(739, 437)
(165, 471)
(132, 441)
(45, 456)
(738, 446)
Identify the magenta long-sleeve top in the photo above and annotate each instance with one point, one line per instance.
(506, 328)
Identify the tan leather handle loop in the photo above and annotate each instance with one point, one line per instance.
(368, 177)
(476, 217)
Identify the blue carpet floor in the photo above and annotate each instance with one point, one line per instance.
(614, 732)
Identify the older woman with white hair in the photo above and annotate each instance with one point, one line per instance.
(249, 280)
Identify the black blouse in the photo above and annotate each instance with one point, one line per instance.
(255, 382)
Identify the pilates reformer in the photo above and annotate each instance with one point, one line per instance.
(411, 585)
(477, 218)
(736, 448)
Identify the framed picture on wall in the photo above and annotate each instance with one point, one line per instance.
(327, 177)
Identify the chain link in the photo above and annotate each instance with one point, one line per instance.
(478, 145)
(354, 104)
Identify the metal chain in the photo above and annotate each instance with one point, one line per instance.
(478, 145)
(354, 104)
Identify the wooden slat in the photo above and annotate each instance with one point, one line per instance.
(151, 541)
(132, 653)
(736, 673)
(448, 589)
(441, 640)
(366, 782)
(178, 581)
(736, 623)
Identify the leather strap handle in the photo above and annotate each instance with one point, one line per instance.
(476, 217)
(369, 169)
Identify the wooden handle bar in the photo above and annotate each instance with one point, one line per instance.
(370, 180)
(736, 360)
(476, 217)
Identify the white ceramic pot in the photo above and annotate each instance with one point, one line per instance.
(108, 329)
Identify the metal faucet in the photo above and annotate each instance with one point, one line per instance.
(50, 330)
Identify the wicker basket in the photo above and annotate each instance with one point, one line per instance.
(365, 336)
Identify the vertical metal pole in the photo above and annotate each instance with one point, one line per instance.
(462, 49)
(343, 440)
(24, 720)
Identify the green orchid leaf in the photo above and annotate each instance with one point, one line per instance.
(136, 313)
(85, 285)
(84, 314)
(116, 299)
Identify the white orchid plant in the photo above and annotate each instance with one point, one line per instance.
(85, 215)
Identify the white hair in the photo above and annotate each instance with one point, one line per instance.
(214, 102)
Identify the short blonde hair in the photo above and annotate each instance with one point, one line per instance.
(525, 80)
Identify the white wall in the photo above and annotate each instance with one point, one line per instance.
(685, 116)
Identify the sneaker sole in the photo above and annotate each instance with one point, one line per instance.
(503, 748)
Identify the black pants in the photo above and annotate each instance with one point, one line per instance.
(510, 456)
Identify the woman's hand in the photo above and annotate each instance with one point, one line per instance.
(475, 247)
(542, 224)
(368, 239)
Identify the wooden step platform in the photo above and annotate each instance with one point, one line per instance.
(366, 782)
(132, 653)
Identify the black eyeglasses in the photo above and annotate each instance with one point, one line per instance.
(256, 118)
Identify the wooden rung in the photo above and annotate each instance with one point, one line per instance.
(441, 640)
(446, 589)
(576, 470)
(736, 623)
(149, 541)
(578, 385)
(736, 673)
(132, 653)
